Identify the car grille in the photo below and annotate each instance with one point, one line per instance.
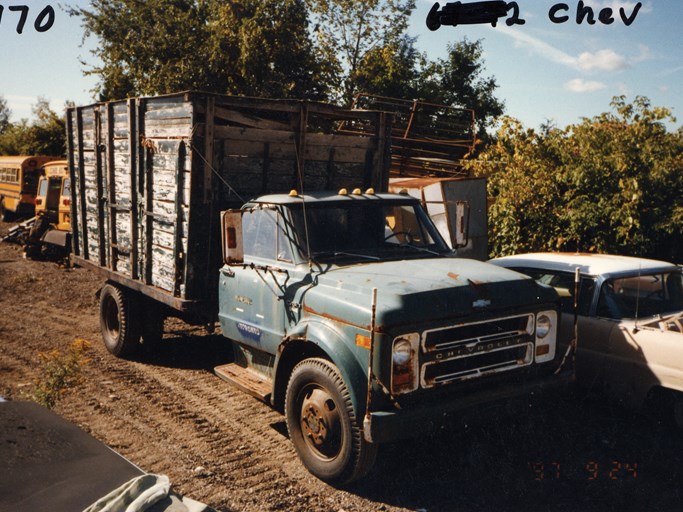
(473, 350)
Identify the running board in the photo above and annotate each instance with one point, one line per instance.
(245, 379)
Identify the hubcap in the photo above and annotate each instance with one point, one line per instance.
(320, 422)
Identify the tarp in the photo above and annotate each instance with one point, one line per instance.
(49, 464)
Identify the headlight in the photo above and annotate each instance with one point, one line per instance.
(546, 335)
(402, 352)
(404, 361)
(543, 326)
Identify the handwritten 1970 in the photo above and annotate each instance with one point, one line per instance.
(42, 22)
(461, 13)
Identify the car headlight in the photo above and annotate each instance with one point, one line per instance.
(404, 363)
(546, 335)
(543, 326)
(402, 352)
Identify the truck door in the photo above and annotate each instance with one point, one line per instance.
(252, 305)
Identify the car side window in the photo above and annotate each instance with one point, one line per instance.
(264, 236)
(563, 282)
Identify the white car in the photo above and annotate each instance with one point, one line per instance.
(630, 322)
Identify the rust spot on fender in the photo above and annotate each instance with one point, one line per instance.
(312, 311)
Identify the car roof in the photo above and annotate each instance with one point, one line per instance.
(588, 263)
(327, 196)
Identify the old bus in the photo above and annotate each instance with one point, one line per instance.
(54, 195)
(52, 228)
(19, 183)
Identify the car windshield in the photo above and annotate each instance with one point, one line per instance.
(641, 296)
(370, 230)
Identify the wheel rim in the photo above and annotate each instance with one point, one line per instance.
(320, 423)
(111, 317)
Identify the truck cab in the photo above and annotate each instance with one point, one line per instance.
(351, 313)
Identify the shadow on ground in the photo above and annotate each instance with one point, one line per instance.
(188, 350)
(577, 454)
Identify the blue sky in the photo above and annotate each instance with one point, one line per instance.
(559, 72)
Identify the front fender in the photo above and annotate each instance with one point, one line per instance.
(339, 349)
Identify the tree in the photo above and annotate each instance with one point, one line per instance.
(391, 70)
(457, 81)
(163, 46)
(350, 33)
(264, 49)
(5, 114)
(45, 136)
(613, 184)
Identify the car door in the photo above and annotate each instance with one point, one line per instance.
(251, 296)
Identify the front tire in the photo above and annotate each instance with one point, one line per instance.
(323, 426)
(119, 329)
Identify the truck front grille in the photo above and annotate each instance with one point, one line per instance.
(476, 349)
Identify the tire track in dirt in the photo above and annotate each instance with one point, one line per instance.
(201, 414)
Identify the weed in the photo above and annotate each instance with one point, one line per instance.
(61, 371)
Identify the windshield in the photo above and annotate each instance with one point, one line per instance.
(641, 296)
(364, 229)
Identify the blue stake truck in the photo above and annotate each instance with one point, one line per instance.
(346, 309)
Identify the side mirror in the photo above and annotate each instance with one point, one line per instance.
(231, 236)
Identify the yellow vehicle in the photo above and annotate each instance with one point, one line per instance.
(19, 183)
(54, 195)
(51, 230)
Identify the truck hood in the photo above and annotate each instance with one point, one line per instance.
(420, 290)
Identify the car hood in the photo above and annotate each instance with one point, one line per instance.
(420, 290)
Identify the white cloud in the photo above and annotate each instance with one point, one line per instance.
(579, 85)
(603, 60)
(539, 47)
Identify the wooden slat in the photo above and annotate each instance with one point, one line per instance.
(111, 174)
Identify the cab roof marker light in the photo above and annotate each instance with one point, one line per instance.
(370, 191)
(343, 192)
(293, 193)
(356, 192)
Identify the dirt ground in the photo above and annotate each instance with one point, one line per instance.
(169, 414)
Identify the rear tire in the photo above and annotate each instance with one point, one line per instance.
(322, 424)
(119, 329)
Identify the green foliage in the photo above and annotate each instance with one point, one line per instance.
(45, 136)
(351, 33)
(390, 70)
(457, 81)
(5, 114)
(612, 183)
(60, 372)
(162, 46)
(258, 48)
